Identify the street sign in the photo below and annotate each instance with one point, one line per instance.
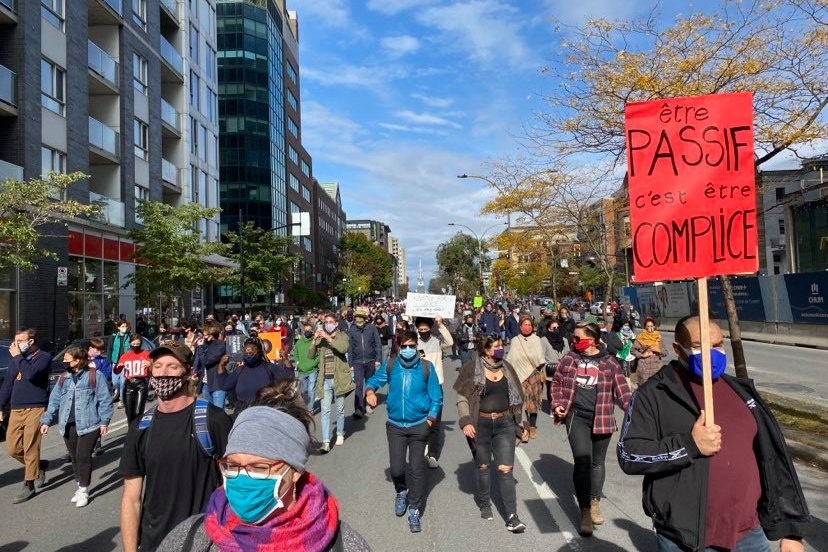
(302, 221)
(62, 276)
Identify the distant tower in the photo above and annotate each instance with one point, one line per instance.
(420, 280)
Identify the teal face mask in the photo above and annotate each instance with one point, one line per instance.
(253, 500)
(408, 353)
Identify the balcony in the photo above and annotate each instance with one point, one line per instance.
(104, 71)
(104, 143)
(112, 211)
(169, 174)
(169, 13)
(10, 170)
(170, 120)
(8, 92)
(8, 12)
(104, 12)
(173, 66)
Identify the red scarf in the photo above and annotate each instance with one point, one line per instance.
(309, 525)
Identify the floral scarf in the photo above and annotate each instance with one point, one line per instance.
(309, 525)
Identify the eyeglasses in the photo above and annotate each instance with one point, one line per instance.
(259, 470)
(407, 347)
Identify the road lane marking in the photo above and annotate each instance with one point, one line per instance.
(550, 499)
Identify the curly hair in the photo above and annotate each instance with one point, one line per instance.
(286, 395)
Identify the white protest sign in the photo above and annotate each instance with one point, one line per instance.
(429, 305)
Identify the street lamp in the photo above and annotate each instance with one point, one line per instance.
(479, 247)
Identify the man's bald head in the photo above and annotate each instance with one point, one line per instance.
(688, 333)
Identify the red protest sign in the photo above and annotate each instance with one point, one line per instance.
(692, 187)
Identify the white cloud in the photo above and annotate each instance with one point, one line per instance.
(486, 30)
(408, 128)
(401, 45)
(433, 101)
(425, 119)
(329, 13)
(393, 7)
(357, 76)
(574, 13)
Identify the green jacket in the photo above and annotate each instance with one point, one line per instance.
(343, 384)
(305, 363)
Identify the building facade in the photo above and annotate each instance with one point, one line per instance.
(328, 226)
(126, 118)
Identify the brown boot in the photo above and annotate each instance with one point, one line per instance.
(586, 523)
(595, 512)
(533, 432)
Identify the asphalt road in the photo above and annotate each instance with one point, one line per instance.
(357, 474)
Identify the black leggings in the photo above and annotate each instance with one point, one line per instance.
(495, 440)
(410, 441)
(80, 451)
(589, 453)
(135, 397)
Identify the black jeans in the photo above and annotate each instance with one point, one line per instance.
(80, 451)
(362, 371)
(495, 438)
(589, 452)
(135, 397)
(437, 435)
(411, 440)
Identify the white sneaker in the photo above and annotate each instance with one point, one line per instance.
(75, 496)
(326, 447)
(83, 499)
(432, 462)
(368, 409)
(340, 439)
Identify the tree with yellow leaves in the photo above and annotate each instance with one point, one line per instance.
(777, 49)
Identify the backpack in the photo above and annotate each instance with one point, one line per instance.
(92, 379)
(199, 421)
(393, 358)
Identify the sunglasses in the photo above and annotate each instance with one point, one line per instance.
(407, 347)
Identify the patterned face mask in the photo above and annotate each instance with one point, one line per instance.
(166, 387)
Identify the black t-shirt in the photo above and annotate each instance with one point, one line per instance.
(178, 476)
(586, 379)
(495, 396)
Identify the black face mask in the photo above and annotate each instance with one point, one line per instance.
(135, 349)
(425, 336)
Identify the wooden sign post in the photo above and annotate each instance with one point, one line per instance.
(692, 196)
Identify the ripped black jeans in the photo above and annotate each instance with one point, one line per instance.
(495, 446)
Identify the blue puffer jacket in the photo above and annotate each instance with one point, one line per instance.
(411, 400)
(93, 407)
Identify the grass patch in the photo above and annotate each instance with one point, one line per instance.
(803, 422)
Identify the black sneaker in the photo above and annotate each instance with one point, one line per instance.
(25, 494)
(41, 477)
(514, 524)
(357, 414)
(486, 513)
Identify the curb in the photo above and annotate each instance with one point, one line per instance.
(815, 457)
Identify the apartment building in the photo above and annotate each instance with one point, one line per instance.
(328, 226)
(125, 92)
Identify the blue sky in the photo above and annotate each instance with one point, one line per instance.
(401, 96)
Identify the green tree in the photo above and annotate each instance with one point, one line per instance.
(459, 264)
(28, 210)
(266, 260)
(364, 261)
(171, 253)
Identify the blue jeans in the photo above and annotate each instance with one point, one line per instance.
(755, 541)
(216, 397)
(118, 383)
(308, 382)
(467, 355)
(327, 398)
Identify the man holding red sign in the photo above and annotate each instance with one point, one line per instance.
(730, 486)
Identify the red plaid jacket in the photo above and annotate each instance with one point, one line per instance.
(612, 385)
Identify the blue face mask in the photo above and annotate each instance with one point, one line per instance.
(250, 360)
(408, 354)
(718, 362)
(253, 500)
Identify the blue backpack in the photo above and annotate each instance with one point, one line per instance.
(202, 432)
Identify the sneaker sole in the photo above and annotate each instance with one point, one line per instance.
(519, 529)
(21, 500)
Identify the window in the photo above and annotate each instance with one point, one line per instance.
(777, 258)
(294, 78)
(305, 168)
(782, 226)
(141, 138)
(52, 87)
(294, 182)
(141, 194)
(306, 194)
(52, 11)
(194, 44)
(294, 130)
(139, 72)
(193, 136)
(194, 89)
(210, 62)
(293, 155)
(139, 13)
(51, 161)
(292, 100)
(780, 193)
(202, 142)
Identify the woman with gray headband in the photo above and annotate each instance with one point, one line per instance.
(268, 500)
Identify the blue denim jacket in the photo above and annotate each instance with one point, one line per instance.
(93, 407)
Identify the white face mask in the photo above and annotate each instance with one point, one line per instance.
(23, 346)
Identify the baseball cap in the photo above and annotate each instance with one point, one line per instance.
(361, 313)
(176, 349)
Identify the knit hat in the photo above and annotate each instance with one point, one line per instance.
(270, 433)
